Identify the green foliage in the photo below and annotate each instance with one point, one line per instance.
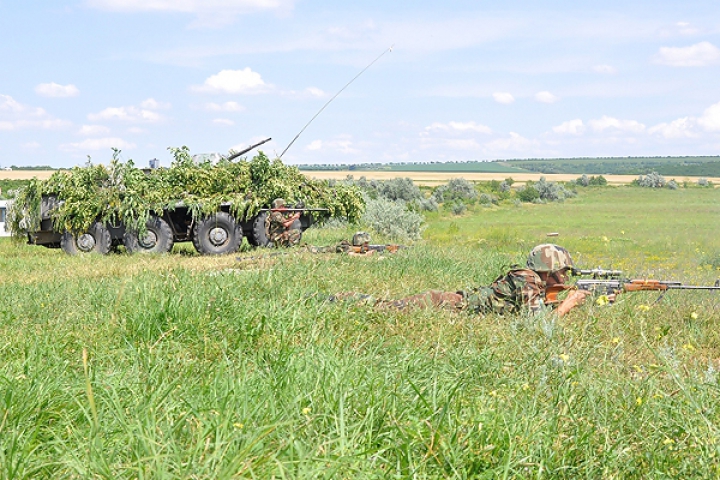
(457, 189)
(527, 193)
(552, 191)
(10, 188)
(591, 181)
(392, 219)
(690, 166)
(210, 368)
(122, 193)
(651, 180)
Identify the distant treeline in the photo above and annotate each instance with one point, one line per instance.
(37, 167)
(704, 166)
(694, 166)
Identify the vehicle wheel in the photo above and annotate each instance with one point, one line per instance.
(259, 236)
(95, 240)
(157, 239)
(217, 234)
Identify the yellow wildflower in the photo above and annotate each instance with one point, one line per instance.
(638, 401)
(306, 411)
(602, 300)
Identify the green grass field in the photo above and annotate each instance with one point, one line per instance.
(707, 166)
(182, 366)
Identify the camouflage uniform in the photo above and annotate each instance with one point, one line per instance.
(509, 293)
(549, 258)
(519, 289)
(277, 233)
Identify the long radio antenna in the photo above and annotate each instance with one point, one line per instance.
(333, 98)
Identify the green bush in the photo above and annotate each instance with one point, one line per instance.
(456, 189)
(392, 219)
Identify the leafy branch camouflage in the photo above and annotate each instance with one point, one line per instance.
(122, 193)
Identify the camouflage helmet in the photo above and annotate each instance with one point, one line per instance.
(278, 203)
(549, 258)
(360, 238)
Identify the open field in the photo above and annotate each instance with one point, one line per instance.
(439, 178)
(25, 174)
(420, 178)
(182, 366)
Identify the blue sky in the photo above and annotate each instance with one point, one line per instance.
(466, 80)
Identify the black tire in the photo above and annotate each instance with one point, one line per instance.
(157, 239)
(95, 240)
(259, 236)
(217, 235)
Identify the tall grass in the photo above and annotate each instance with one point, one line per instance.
(182, 366)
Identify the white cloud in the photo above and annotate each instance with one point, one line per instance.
(224, 121)
(710, 119)
(94, 144)
(503, 97)
(606, 123)
(679, 28)
(460, 127)
(233, 81)
(606, 69)
(342, 144)
(57, 91)
(224, 107)
(315, 145)
(680, 128)
(144, 113)
(449, 144)
(698, 55)
(571, 127)
(546, 97)
(514, 142)
(315, 92)
(14, 115)
(152, 104)
(92, 130)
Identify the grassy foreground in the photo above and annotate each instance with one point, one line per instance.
(183, 366)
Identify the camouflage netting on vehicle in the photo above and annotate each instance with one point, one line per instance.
(123, 193)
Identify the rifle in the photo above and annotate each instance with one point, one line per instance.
(614, 287)
(392, 248)
(346, 247)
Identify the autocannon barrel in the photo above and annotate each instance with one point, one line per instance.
(243, 152)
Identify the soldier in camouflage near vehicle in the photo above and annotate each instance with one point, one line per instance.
(521, 289)
(279, 225)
